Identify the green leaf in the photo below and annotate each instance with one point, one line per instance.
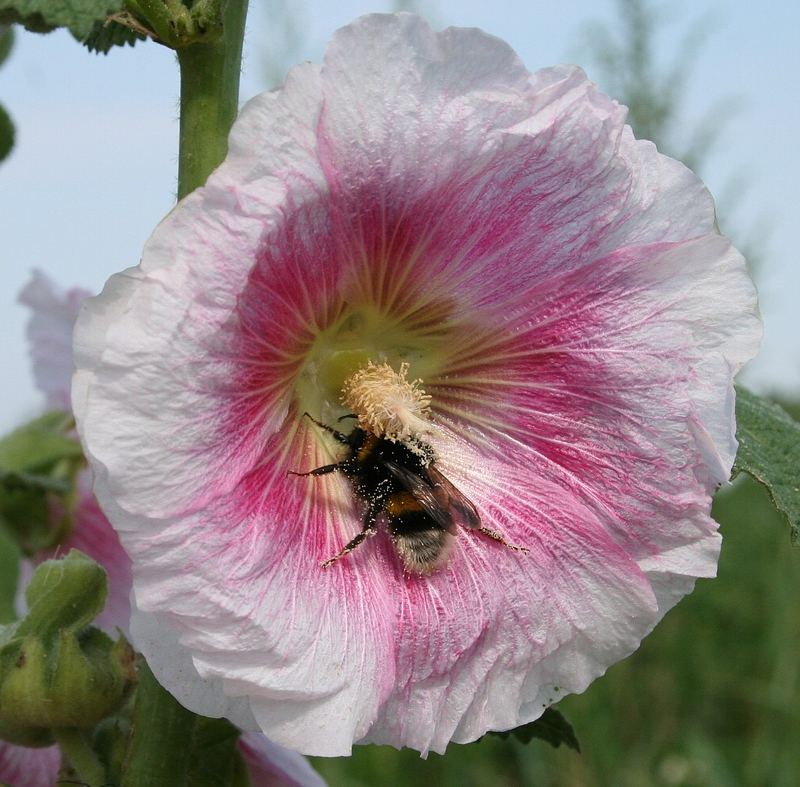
(7, 133)
(39, 444)
(105, 35)
(215, 759)
(26, 515)
(13, 481)
(769, 451)
(551, 727)
(6, 42)
(41, 16)
(39, 461)
(111, 743)
(162, 729)
(171, 745)
(9, 576)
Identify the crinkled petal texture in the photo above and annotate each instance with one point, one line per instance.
(50, 334)
(24, 767)
(562, 291)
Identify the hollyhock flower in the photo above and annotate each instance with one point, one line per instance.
(575, 320)
(53, 312)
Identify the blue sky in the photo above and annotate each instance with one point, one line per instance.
(94, 167)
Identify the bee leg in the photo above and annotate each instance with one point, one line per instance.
(324, 470)
(349, 415)
(369, 529)
(342, 438)
(351, 545)
(493, 534)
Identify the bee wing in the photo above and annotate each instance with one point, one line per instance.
(438, 497)
(465, 512)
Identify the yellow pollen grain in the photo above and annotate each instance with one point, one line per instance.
(387, 403)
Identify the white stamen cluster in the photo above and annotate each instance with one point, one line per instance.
(387, 403)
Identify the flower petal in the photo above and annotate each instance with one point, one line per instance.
(497, 636)
(24, 767)
(50, 335)
(259, 616)
(453, 144)
(611, 388)
(242, 201)
(271, 765)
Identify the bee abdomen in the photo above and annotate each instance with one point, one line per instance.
(421, 550)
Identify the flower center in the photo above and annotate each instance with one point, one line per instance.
(387, 403)
(360, 337)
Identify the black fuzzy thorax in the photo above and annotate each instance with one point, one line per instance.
(366, 467)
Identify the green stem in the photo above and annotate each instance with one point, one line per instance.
(209, 99)
(77, 750)
(156, 14)
(161, 739)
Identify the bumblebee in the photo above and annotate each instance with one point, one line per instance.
(401, 483)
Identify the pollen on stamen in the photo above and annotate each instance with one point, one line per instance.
(387, 403)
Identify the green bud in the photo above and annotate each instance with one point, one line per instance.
(64, 594)
(55, 672)
(75, 682)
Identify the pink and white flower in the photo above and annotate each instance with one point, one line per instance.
(577, 320)
(53, 313)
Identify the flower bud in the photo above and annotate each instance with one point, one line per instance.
(55, 672)
(76, 682)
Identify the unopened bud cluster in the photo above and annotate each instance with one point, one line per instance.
(56, 671)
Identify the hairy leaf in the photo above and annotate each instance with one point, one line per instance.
(551, 727)
(41, 16)
(769, 451)
(105, 35)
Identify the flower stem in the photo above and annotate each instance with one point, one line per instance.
(209, 99)
(160, 747)
(77, 750)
